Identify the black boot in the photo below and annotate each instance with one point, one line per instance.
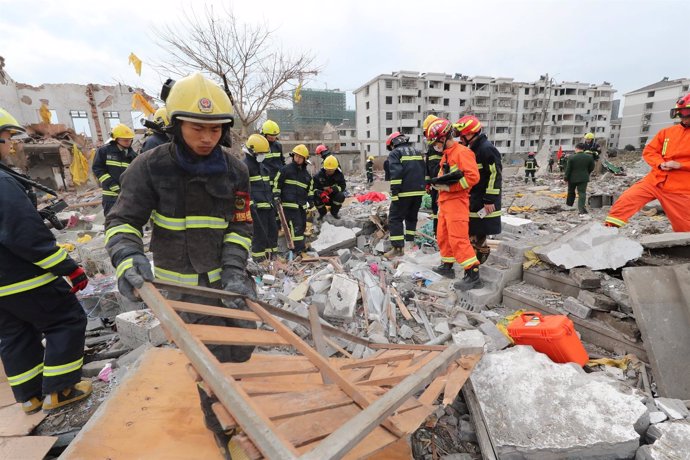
(469, 281)
(445, 269)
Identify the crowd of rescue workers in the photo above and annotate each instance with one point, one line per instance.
(209, 212)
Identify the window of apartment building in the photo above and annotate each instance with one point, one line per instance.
(502, 130)
(389, 131)
(343, 144)
(389, 100)
(507, 143)
(650, 94)
(367, 106)
(580, 105)
(498, 143)
(389, 84)
(368, 148)
(685, 87)
(590, 100)
(446, 87)
(526, 94)
(112, 119)
(352, 133)
(366, 91)
(462, 87)
(649, 105)
(80, 121)
(550, 141)
(389, 115)
(525, 104)
(368, 119)
(531, 143)
(643, 141)
(368, 134)
(463, 102)
(522, 143)
(446, 102)
(419, 109)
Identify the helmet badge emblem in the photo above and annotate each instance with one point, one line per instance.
(205, 105)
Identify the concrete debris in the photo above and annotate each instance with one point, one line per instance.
(406, 332)
(657, 417)
(268, 279)
(472, 340)
(576, 308)
(671, 441)
(342, 298)
(585, 278)
(591, 245)
(674, 408)
(332, 238)
(665, 240)
(596, 301)
(139, 327)
(497, 340)
(535, 408)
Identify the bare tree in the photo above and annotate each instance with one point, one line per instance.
(258, 72)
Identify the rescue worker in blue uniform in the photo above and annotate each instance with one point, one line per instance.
(157, 136)
(408, 185)
(329, 188)
(265, 239)
(110, 162)
(275, 160)
(36, 302)
(293, 189)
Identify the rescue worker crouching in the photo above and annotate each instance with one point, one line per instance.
(432, 160)
(293, 189)
(457, 175)
(265, 239)
(407, 172)
(323, 152)
(531, 167)
(274, 160)
(370, 170)
(329, 188)
(485, 197)
(110, 162)
(668, 153)
(35, 302)
(157, 136)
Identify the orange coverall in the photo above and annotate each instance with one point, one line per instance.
(671, 188)
(454, 208)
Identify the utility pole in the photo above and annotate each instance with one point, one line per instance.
(545, 104)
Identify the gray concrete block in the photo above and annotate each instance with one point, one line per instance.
(585, 278)
(596, 301)
(344, 255)
(498, 341)
(138, 327)
(577, 308)
(551, 281)
(471, 340)
(665, 240)
(332, 238)
(671, 441)
(660, 298)
(342, 298)
(674, 408)
(405, 332)
(320, 300)
(591, 245)
(560, 412)
(517, 225)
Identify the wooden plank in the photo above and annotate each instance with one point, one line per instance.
(337, 347)
(14, 422)
(322, 363)
(304, 429)
(456, 380)
(272, 387)
(375, 361)
(26, 447)
(266, 369)
(483, 439)
(6, 395)
(400, 374)
(221, 335)
(259, 428)
(213, 311)
(153, 413)
(342, 440)
(432, 392)
(317, 336)
(401, 306)
(405, 346)
(279, 312)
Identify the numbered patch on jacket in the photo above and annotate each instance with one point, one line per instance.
(241, 212)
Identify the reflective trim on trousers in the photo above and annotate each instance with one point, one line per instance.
(54, 371)
(24, 377)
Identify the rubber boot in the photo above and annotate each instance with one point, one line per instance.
(469, 281)
(32, 406)
(445, 269)
(395, 252)
(75, 393)
(322, 213)
(335, 214)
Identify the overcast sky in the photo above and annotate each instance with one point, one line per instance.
(630, 43)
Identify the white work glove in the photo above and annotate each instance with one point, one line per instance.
(441, 187)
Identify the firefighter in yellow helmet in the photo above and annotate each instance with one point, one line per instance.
(110, 162)
(158, 135)
(329, 187)
(265, 240)
(36, 303)
(293, 188)
(370, 170)
(274, 159)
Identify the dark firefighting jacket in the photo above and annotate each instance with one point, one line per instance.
(336, 181)
(488, 189)
(261, 187)
(29, 256)
(408, 171)
(531, 164)
(433, 158)
(153, 141)
(202, 224)
(295, 186)
(274, 160)
(109, 164)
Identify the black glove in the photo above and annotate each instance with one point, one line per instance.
(239, 282)
(137, 269)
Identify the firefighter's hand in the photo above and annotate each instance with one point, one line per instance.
(238, 282)
(441, 187)
(669, 165)
(428, 188)
(325, 197)
(78, 279)
(135, 270)
(489, 208)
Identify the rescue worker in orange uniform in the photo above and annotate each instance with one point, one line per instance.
(458, 173)
(669, 180)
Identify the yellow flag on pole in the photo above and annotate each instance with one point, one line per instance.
(79, 167)
(140, 103)
(44, 111)
(298, 93)
(136, 62)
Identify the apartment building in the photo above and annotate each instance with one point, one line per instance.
(647, 110)
(516, 115)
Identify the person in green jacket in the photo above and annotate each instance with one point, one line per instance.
(577, 170)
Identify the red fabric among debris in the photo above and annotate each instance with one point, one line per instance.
(371, 196)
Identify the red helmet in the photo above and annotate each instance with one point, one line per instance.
(531, 154)
(320, 149)
(395, 139)
(467, 125)
(437, 131)
(682, 107)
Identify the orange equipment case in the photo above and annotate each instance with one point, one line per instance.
(553, 335)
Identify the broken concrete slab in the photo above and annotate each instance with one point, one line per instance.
(344, 255)
(332, 238)
(671, 441)
(657, 417)
(472, 340)
(561, 412)
(665, 240)
(596, 301)
(517, 225)
(585, 278)
(551, 280)
(497, 340)
(577, 308)
(674, 408)
(591, 245)
(342, 298)
(616, 289)
(139, 327)
(405, 332)
(660, 297)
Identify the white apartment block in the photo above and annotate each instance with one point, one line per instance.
(647, 110)
(512, 112)
(615, 135)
